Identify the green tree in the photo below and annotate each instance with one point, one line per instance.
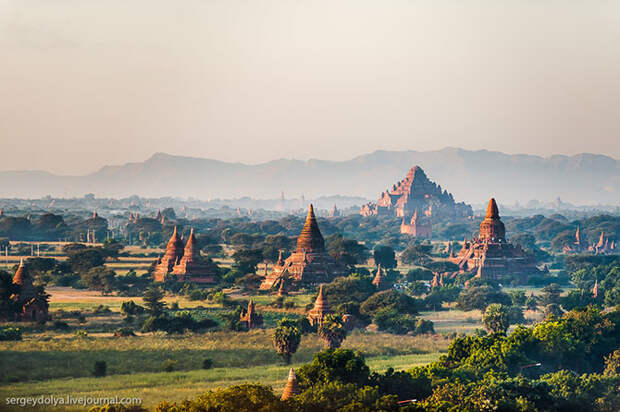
(551, 294)
(385, 256)
(388, 299)
(517, 297)
(496, 318)
(99, 278)
(332, 331)
(81, 260)
(286, 339)
(340, 365)
(239, 398)
(479, 297)
(246, 260)
(8, 306)
(153, 300)
(348, 251)
(418, 254)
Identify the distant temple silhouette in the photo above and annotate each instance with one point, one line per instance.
(491, 255)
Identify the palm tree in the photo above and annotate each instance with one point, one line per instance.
(332, 331)
(286, 339)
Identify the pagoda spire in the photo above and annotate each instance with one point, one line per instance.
(595, 289)
(492, 210)
(320, 309)
(379, 280)
(310, 238)
(292, 388)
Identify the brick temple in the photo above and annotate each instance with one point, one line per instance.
(185, 262)
(417, 192)
(491, 255)
(418, 226)
(32, 304)
(310, 263)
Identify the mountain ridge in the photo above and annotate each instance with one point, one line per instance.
(472, 176)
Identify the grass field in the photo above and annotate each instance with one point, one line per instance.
(44, 357)
(152, 388)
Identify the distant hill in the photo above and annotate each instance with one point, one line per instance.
(471, 176)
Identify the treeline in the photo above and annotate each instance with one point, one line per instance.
(51, 227)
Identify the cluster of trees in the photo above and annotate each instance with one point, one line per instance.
(154, 315)
(566, 363)
(52, 227)
(85, 267)
(390, 310)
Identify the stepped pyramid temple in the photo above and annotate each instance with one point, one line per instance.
(416, 192)
(320, 309)
(310, 263)
(491, 255)
(185, 262)
(34, 306)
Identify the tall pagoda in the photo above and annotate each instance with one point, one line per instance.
(321, 308)
(174, 252)
(310, 263)
(193, 266)
(185, 261)
(491, 255)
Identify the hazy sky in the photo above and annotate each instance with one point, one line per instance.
(85, 83)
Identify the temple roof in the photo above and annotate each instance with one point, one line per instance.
(492, 210)
(379, 280)
(191, 247)
(492, 228)
(310, 238)
(21, 276)
(320, 304)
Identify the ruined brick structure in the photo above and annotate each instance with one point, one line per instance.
(33, 305)
(250, 318)
(321, 308)
(379, 280)
(491, 255)
(185, 262)
(417, 192)
(604, 246)
(417, 226)
(310, 263)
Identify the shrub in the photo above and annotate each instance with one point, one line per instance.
(81, 333)
(169, 365)
(60, 325)
(123, 332)
(102, 309)
(196, 294)
(207, 363)
(496, 318)
(9, 333)
(100, 369)
(388, 299)
(389, 320)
